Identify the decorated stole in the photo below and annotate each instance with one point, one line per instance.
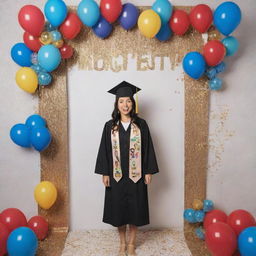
(134, 154)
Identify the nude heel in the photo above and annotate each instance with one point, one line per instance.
(122, 250)
(132, 248)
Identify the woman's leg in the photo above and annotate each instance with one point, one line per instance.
(122, 235)
(132, 239)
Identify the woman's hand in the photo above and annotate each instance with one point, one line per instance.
(148, 178)
(106, 181)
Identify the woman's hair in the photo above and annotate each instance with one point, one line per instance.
(116, 116)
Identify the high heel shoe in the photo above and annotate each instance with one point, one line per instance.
(122, 250)
(131, 250)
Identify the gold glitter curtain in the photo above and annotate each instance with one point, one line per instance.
(93, 53)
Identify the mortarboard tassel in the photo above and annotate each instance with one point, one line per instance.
(137, 106)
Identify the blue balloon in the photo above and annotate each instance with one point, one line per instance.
(55, 11)
(220, 67)
(103, 28)
(200, 233)
(231, 44)
(165, 33)
(129, 16)
(189, 215)
(215, 83)
(56, 35)
(227, 17)
(88, 12)
(49, 57)
(44, 78)
(34, 59)
(35, 121)
(164, 9)
(22, 242)
(49, 27)
(208, 205)
(247, 242)
(21, 54)
(37, 68)
(199, 216)
(20, 135)
(211, 73)
(194, 64)
(40, 138)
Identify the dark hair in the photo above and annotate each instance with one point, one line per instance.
(116, 116)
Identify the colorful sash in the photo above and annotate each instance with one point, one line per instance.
(134, 154)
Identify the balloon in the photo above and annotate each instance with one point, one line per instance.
(197, 204)
(220, 67)
(55, 35)
(20, 135)
(66, 51)
(26, 79)
(13, 218)
(165, 33)
(208, 205)
(45, 194)
(227, 17)
(34, 58)
(35, 121)
(221, 239)
(22, 242)
(44, 78)
(149, 23)
(58, 44)
(4, 233)
(211, 73)
(189, 215)
(88, 12)
(214, 216)
(215, 83)
(45, 38)
(164, 9)
(201, 17)
(55, 11)
(39, 225)
(37, 68)
(200, 233)
(247, 242)
(31, 19)
(179, 22)
(231, 45)
(214, 52)
(40, 138)
(49, 57)
(129, 16)
(31, 42)
(240, 220)
(199, 216)
(110, 9)
(71, 27)
(194, 64)
(21, 54)
(102, 29)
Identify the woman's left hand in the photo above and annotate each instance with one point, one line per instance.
(148, 178)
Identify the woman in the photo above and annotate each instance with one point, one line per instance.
(127, 160)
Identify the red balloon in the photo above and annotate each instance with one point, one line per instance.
(221, 239)
(66, 51)
(214, 216)
(239, 220)
(39, 225)
(31, 42)
(110, 9)
(214, 52)
(179, 22)
(4, 233)
(13, 218)
(201, 17)
(71, 26)
(31, 19)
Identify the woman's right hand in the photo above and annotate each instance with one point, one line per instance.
(106, 181)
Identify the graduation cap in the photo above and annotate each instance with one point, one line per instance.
(125, 89)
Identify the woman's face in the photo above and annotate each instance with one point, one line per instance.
(124, 105)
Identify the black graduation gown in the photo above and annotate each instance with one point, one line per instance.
(126, 202)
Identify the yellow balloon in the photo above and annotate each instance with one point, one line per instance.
(197, 204)
(58, 43)
(45, 38)
(149, 23)
(27, 80)
(45, 194)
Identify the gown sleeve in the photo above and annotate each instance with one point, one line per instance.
(102, 162)
(150, 162)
